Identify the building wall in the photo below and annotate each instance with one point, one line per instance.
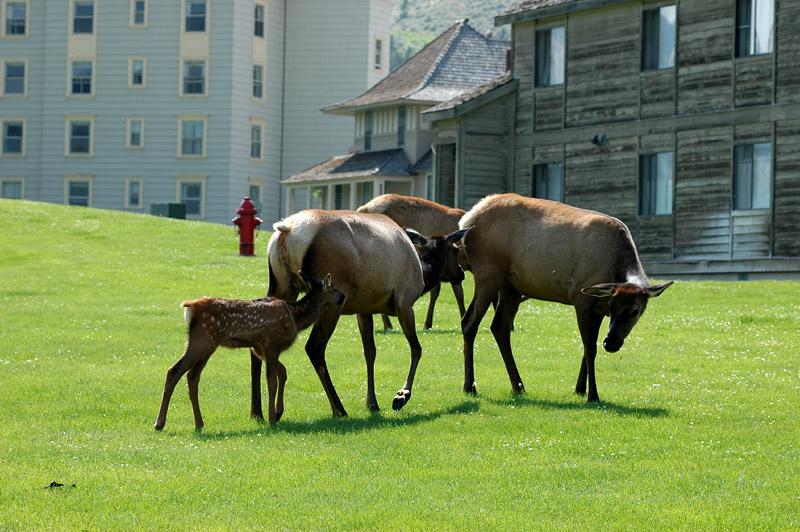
(699, 110)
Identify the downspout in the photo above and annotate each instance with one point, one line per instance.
(283, 111)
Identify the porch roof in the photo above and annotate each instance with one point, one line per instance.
(351, 165)
(535, 9)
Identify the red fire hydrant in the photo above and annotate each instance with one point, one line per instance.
(247, 222)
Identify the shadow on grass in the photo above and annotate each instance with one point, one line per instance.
(348, 425)
(525, 400)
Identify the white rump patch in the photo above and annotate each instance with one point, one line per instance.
(187, 315)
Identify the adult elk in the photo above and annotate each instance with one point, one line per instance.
(429, 219)
(373, 262)
(550, 251)
(268, 326)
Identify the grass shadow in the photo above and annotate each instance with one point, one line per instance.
(526, 400)
(348, 425)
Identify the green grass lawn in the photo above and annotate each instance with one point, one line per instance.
(698, 428)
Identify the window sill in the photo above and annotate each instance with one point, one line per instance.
(751, 212)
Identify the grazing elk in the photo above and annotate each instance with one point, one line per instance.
(428, 218)
(267, 325)
(375, 265)
(550, 251)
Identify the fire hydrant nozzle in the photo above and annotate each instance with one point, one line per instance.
(246, 222)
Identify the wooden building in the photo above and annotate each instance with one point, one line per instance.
(681, 118)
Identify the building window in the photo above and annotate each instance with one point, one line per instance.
(195, 15)
(80, 137)
(133, 193)
(550, 57)
(658, 38)
(78, 192)
(254, 191)
(16, 19)
(655, 184)
(547, 181)
(135, 133)
(13, 137)
(401, 126)
(192, 141)
(81, 77)
(138, 13)
(136, 73)
(194, 77)
(190, 193)
(83, 17)
(378, 53)
(367, 130)
(752, 169)
(14, 78)
(11, 189)
(258, 81)
(754, 27)
(258, 26)
(256, 132)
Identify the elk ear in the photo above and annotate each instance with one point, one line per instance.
(600, 290)
(305, 278)
(327, 281)
(655, 291)
(452, 238)
(415, 236)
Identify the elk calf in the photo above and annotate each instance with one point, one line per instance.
(268, 326)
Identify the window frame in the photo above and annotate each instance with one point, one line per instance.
(192, 179)
(5, 20)
(69, 120)
(129, 121)
(257, 82)
(3, 77)
(649, 184)
(548, 52)
(259, 23)
(652, 43)
(735, 208)
(379, 52)
(71, 78)
(544, 168)
(185, 80)
(131, 84)
(127, 204)
(183, 119)
(259, 125)
(79, 178)
(22, 139)
(73, 19)
(20, 180)
(187, 16)
(145, 14)
(746, 47)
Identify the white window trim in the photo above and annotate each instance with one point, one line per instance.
(206, 79)
(179, 180)
(146, 23)
(3, 77)
(183, 20)
(68, 178)
(263, 97)
(261, 123)
(264, 7)
(382, 66)
(27, 33)
(24, 137)
(68, 119)
(71, 20)
(91, 60)
(127, 204)
(192, 118)
(128, 122)
(131, 85)
(259, 182)
(14, 180)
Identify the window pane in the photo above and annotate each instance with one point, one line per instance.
(663, 187)
(138, 13)
(78, 193)
(762, 165)
(259, 21)
(195, 15)
(742, 177)
(15, 78)
(136, 133)
(12, 137)
(763, 16)
(79, 137)
(11, 190)
(84, 15)
(191, 195)
(133, 193)
(137, 68)
(666, 37)
(15, 18)
(557, 56)
(194, 77)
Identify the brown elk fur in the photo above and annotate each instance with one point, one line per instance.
(554, 252)
(428, 218)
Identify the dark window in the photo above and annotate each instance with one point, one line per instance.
(81, 77)
(658, 38)
(192, 196)
(137, 72)
(134, 194)
(255, 142)
(194, 77)
(80, 137)
(258, 28)
(16, 18)
(258, 81)
(752, 169)
(547, 181)
(15, 78)
(195, 15)
(401, 126)
(83, 20)
(550, 57)
(192, 138)
(11, 190)
(138, 12)
(655, 184)
(368, 130)
(754, 27)
(12, 137)
(78, 193)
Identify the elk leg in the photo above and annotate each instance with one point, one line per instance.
(507, 306)
(255, 386)
(589, 324)
(485, 294)
(272, 383)
(431, 304)
(458, 292)
(365, 327)
(315, 349)
(405, 315)
(387, 323)
(281, 386)
(193, 379)
(174, 374)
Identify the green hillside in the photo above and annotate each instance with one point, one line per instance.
(417, 22)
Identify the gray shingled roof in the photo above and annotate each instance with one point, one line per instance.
(454, 62)
(473, 93)
(364, 164)
(534, 9)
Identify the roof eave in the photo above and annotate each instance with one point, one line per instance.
(352, 110)
(551, 11)
(472, 104)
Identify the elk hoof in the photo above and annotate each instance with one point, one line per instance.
(373, 407)
(256, 415)
(401, 399)
(593, 398)
(470, 389)
(519, 388)
(278, 414)
(158, 426)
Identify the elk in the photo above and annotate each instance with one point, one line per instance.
(546, 250)
(267, 325)
(373, 262)
(428, 218)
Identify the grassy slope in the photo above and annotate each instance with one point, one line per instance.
(698, 428)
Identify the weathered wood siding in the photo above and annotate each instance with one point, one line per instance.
(657, 93)
(523, 57)
(787, 51)
(754, 81)
(787, 189)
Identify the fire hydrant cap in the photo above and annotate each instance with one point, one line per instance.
(247, 207)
